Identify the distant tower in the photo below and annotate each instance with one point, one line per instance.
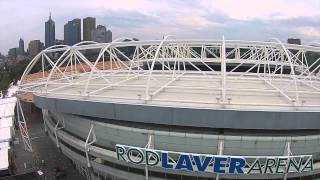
(72, 32)
(89, 24)
(50, 34)
(100, 34)
(21, 46)
(294, 41)
(109, 35)
(34, 47)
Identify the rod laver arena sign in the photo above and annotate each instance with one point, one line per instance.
(219, 164)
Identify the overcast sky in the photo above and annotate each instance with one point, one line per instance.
(150, 19)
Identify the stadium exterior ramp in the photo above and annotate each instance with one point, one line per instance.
(245, 101)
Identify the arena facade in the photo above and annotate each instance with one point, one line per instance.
(181, 109)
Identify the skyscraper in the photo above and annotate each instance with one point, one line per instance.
(89, 24)
(50, 35)
(109, 35)
(101, 35)
(21, 46)
(35, 46)
(12, 53)
(72, 32)
(294, 41)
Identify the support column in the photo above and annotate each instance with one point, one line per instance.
(45, 115)
(223, 70)
(88, 144)
(56, 128)
(220, 150)
(150, 145)
(287, 152)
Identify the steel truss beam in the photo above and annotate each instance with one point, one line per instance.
(23, 127)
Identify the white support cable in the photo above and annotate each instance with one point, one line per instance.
(223, 70)
(147, 97)
(115, 84)
(58, 67)
(97, 60)
(54, 67)
(205, 64)
(30, 66)
(279, 90)
(292, 71)
(166, 85)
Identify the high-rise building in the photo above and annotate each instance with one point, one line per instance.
(72, 32)
(101, 35)
(50, 34)
(89, 24)
(294, 41)
(34, 47)
(21, 46)
(109, 35)
(13, 53)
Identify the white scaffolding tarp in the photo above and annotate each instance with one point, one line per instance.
(5, 134)
(7, 110)
(7, 106)
(6, 122)
(4, 158)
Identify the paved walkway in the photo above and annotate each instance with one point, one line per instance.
(44, 149)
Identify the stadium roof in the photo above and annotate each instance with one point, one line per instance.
(211, 74)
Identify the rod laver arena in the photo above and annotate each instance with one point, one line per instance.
(222, 109)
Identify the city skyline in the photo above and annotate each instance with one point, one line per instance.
(255, 20)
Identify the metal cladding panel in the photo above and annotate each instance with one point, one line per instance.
(199, 145)
(269, 148)
(77, 125)
(110, 137)
(139, 113)
(185, 116)
(87, 108)
(306, 147)
(45, 102)
(246, 119)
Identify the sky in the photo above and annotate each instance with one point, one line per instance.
(151, 19)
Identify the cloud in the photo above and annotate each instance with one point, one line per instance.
(259, 9)
(308, 31)
(196, 21)
(151, 19)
